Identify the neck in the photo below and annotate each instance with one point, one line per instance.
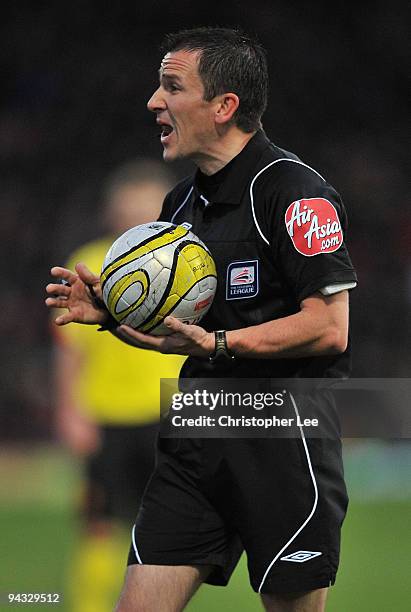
(223, 150)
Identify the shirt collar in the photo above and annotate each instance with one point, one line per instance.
(237, 172)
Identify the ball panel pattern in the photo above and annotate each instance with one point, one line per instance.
(154, 270)
(139, 244)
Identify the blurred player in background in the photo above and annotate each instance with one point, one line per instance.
(107, 401)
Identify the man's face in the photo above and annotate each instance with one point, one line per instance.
(186, 120)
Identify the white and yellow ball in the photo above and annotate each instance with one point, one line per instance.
(155, 270)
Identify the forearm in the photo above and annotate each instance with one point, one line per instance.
(314, 331)
(67, 365)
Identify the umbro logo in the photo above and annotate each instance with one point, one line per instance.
(301, 556)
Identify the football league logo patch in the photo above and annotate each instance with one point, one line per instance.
(313, 226)
(242, 280)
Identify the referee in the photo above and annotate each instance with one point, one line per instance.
(276, 230)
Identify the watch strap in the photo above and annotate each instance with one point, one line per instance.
(221, 350)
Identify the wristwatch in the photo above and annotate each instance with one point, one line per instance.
(221, 352)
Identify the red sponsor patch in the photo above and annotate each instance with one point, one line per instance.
(313, 226)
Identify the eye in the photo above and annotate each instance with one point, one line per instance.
(169, 84)
(173, 87)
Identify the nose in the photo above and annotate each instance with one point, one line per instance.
(156, 102)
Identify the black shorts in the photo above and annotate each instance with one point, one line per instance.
(282, 500)
(117, 474)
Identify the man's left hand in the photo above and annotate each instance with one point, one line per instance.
(184, 339)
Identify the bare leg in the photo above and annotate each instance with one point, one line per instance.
(311, 601)
(150, 588)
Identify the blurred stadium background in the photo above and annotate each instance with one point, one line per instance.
(75, 80)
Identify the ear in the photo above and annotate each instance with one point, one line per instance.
(226, 108)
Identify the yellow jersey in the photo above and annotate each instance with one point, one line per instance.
(118, 384)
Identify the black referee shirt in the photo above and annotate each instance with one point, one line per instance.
(275, 229)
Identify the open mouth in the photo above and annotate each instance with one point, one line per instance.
(166, 131)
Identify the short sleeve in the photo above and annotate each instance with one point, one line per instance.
(307, 228)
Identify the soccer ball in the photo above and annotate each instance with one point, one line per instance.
(154, 270)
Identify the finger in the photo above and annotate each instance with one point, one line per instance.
(65, 274)
(177, 326)
(86, 275)
(56, 302)
(143, 340)
(63, 319)
(125, 337)
(58, 289)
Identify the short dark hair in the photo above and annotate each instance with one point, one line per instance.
(229, 61)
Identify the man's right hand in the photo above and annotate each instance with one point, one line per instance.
(77, 296)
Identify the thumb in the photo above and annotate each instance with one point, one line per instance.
(175, 325)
